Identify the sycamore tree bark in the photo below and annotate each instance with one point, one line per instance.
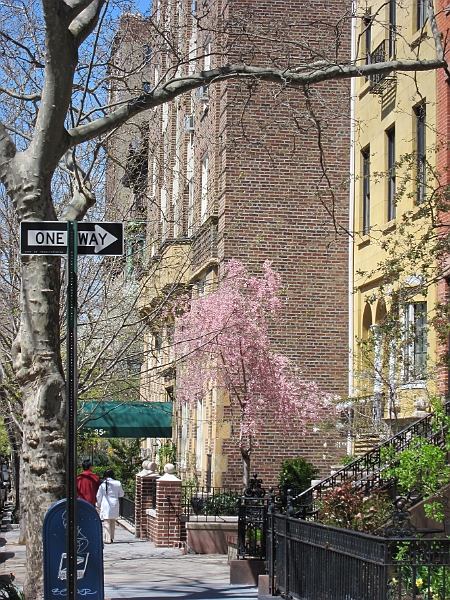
(27, 176)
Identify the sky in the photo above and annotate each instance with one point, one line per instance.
(142, 5)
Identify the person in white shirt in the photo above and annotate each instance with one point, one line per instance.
(108, 495)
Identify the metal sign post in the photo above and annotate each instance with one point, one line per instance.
(72, 403)
(71, 239)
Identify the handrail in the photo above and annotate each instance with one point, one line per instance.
(366, 471)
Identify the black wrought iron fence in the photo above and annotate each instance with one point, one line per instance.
(420, 568)
(366, 472)
(252, 528)
(252, 522)
(207, 501)
(126, 509)
(308, 560)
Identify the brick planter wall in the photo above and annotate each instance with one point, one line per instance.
(165, 523)
(143, 501)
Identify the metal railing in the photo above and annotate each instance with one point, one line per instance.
(309, 560)
(377, 56)
(126, 509)
(366, 472)
(208, 501)
(252, 522)
(252, 526)
(379, 81)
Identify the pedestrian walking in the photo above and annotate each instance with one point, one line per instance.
(108, 495)
(88, 483)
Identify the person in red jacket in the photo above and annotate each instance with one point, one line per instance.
(87, 483)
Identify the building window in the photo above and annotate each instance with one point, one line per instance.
(158, 349)
(190, 207)
(163, 212)
(165, 117)
(176, 176)
(366, 190)
(420, 116)
(367, 32)
(135, 253)
(147, 58)
(201, 286)
(154, 176)
(190, 180)
(184, 434)
(208, 472)
(199, 441)
(170, 329)
(204, 190)
(207, 56)
(415, 342)
(392, 27)
(391, 173)
(421, 8)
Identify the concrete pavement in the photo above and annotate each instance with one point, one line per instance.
(135, 569)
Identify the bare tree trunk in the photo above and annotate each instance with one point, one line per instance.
(37, 364)
(245, 467)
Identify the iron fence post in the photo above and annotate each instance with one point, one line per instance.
(271, 529)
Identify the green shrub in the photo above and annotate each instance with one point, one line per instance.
(223, 504)
(419, 581)
(298, 472)
(347, 507)
(423, 467)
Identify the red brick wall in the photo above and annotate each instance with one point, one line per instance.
(143, 501)
(280, 198)
(443, 162)
(165, 528)
(278, 162)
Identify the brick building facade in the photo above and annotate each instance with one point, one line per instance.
(248, 171)
(443, 162)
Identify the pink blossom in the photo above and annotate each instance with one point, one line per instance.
(223, 341)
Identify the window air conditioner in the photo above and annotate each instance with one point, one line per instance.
(203, 94)
(189, 124)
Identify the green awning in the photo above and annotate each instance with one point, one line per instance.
(128, 419)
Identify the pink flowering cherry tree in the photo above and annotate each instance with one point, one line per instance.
(222, 341)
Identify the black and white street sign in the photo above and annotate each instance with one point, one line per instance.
(50, 237)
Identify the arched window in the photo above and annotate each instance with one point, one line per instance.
(366, 321)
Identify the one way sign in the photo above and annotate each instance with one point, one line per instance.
(50, 237)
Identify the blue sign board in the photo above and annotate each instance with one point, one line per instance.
(89, 552)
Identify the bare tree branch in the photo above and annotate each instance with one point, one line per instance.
(7, 151)
(27, 97)
(181, 85)
(33, 59)
(83, 198)
(83, 25)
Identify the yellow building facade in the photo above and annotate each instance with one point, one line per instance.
(394, 159)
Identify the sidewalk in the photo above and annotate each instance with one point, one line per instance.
(136, 569)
